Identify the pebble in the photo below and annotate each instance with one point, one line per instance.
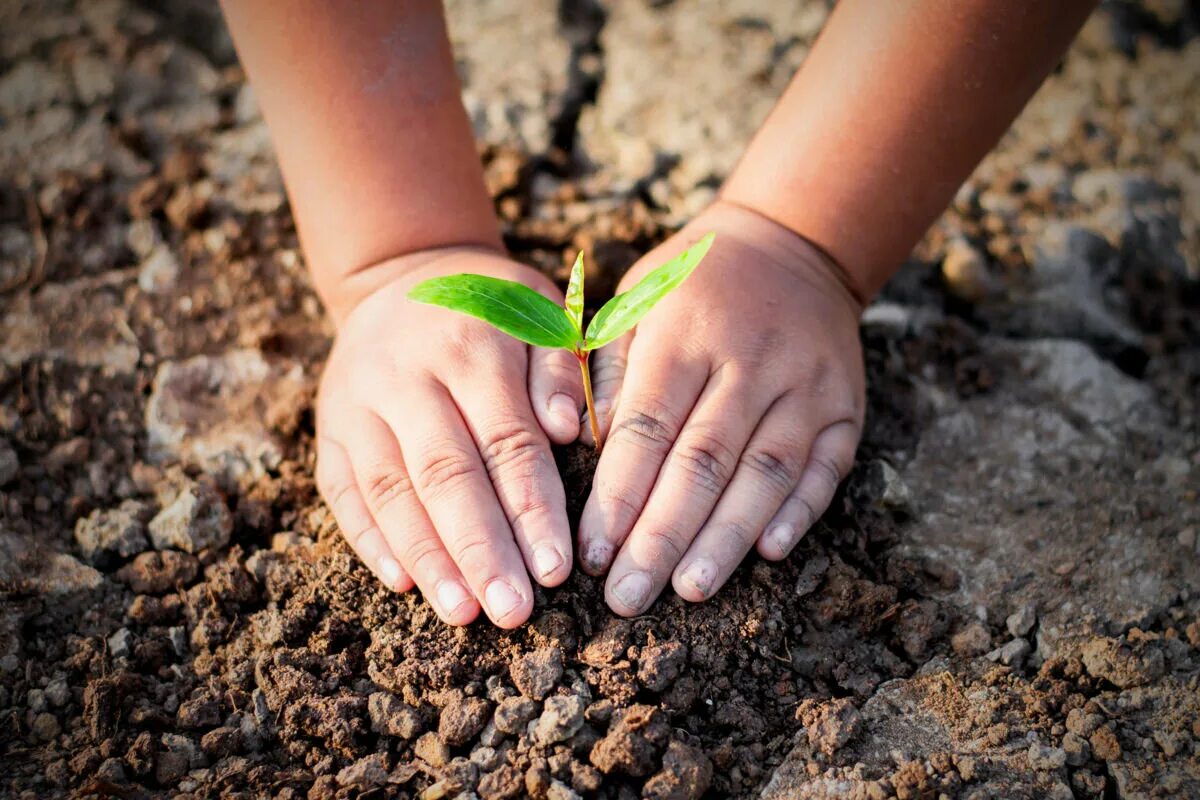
(106, 534)
(159, 273)
(1021, 621)
(36, 700)
(431, 749)
(196, 520)
(561, 719)
(392, 716)
(1012, 654)
(368, 772)
(514, 713)
(1046, 759)
(58, 693)
(45, 726)
(535, 674)
(118, 643)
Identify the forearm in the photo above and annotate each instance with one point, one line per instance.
(367, 120)
(892, 109)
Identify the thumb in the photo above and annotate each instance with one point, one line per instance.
(556, 392)
(608, 373)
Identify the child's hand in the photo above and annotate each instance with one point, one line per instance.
(736, 418)
(431, 450)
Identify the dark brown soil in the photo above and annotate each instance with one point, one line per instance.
(272, 664)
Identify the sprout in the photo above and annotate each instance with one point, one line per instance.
(534, 319)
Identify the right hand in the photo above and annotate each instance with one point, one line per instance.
(432, 444)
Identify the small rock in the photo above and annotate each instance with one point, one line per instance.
(159, 272)
(1123, 664)
(514, 713)
(560, 791)
(1077, 749)
(10, 465)
(45, 726)
(965, 272)
(1105, 745)
(491, 736)
(487, 758)
(392, 716)
(178, 637)
(221, 742)
(686, 774)
(1046, 759)
(660, 665)
(196, 520)
(971, 640)
(58, 693)
(198, 712)
(118, 643)
(1012, 654)
(111, 769)
(887, 490)
(170, 766)
(830, 724)
(368, 772)
(1021, 621)
(462, 718)
(107, 534)
(561, 718)
(1081, 723)
(535, 674)
(35, 700)
(432, 750)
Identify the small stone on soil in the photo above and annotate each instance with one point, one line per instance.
(561, 719)
(392, 716)
(197, 519)
(1021, 621)
(512, 714)
(535, 674)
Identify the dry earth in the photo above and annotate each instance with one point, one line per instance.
(1003, 601)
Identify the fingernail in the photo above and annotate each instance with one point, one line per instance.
(451, 595)
(501, 598)
(632, 589)
(596, 555)
(700, 573)
(546, 560)
(781, 536)
(563, 409)
(389, 571)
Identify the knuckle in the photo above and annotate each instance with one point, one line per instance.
(668, 540)
(609, 370)
(625, 500)
(807, 511)
(509, 444)
(826, 471)
(651, 425)
(739, 534)
(385, 486)
(473, 547)
(706, 461)
(444, 468)
(422, 555)
(779, 466)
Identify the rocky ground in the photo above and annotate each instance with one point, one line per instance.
(1003, 601)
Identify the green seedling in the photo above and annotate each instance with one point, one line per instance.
(534, 319)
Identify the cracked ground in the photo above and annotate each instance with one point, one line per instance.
(1002, 601)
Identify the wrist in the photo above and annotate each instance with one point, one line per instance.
(342, 293)
(782, 245)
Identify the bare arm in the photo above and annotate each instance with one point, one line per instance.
(366, 115)
(891, 110)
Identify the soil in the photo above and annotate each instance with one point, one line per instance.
(180, 614)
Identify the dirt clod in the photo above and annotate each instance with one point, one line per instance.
(535, 674)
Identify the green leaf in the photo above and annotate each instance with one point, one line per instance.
(512, 307)
(626, 310)
(575, 294)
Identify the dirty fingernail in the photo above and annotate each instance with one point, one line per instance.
(596, 556)
(632, 589)
(546, 560)
(781, 536)
(564, 410)
(451, 595)
(501, 598)
(700, 573)
(389, 571)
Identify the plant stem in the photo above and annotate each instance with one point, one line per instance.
(587, 395)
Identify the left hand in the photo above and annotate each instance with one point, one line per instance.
(736, 418)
